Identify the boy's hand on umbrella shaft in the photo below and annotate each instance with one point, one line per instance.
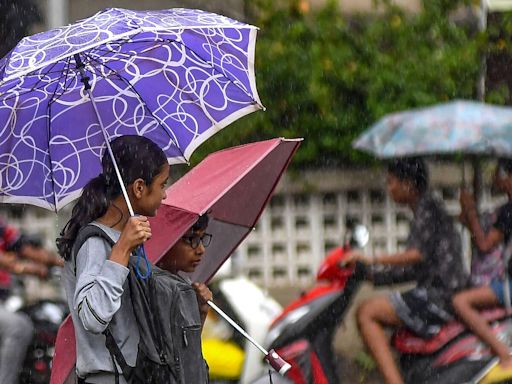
(203, 296)
(135, 232)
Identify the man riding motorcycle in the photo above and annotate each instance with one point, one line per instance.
(433, 258)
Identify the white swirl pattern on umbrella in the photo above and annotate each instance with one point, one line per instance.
(175, 76)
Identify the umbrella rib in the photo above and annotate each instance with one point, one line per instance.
(52, 178)
(141, 100)
(36, 85)
(64, 76)
(32, 74)
(40, 77)
(213, 67)
(132, 33)
(98, 49)
(197, 55)
(163, 41)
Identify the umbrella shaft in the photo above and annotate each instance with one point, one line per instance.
(109, 148)
(237, 327)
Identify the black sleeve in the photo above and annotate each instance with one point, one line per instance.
(421, 230)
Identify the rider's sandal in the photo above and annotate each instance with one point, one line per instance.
(497, 374)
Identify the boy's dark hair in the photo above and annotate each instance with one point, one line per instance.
(412, 169)
(505, 164)
(137, 157)
(201, 224)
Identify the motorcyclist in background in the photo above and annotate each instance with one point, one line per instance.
(468, 303)
(432, 258)
(19, 255)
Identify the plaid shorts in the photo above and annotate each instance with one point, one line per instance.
(417, 313)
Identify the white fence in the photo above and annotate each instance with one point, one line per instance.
(305, 219)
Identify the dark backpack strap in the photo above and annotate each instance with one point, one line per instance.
(156, 322)
(117, 355)
(84, 234)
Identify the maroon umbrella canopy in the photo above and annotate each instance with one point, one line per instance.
(232, 186)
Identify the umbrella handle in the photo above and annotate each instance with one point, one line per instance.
(141, 251)
(276, 361)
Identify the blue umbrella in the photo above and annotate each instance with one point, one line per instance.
(176, 76)
(466, 127)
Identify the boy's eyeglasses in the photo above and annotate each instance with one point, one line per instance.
(195, 240)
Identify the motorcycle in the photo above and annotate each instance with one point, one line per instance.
(303, 334)
(46, 316)
(254, 311)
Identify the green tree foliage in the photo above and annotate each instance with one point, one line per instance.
(326, 76)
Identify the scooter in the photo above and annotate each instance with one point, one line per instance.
(303, 334)
(254, 311)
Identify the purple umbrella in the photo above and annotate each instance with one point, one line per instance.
(176, 76)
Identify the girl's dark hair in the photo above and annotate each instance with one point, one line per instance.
(412, 169)
(137, 158)
(201, 224)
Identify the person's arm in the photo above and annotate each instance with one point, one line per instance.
(389, 269)
(12, 264)
(40, 255)
(99, 285)
(469, 214)
(408, 257)
(30, 268)
(101, 272)
(135, 232)
(483, 241)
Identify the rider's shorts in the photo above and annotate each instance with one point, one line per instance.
(497, 287)
(417, 313)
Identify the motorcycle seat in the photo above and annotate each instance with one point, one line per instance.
(407, 342)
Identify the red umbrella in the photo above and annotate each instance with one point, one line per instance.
(232, 186)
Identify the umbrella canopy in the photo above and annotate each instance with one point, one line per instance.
(232, 186)
(459, 126)
(176, 76)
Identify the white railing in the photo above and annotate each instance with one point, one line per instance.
(304, 220)
(301, 225)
